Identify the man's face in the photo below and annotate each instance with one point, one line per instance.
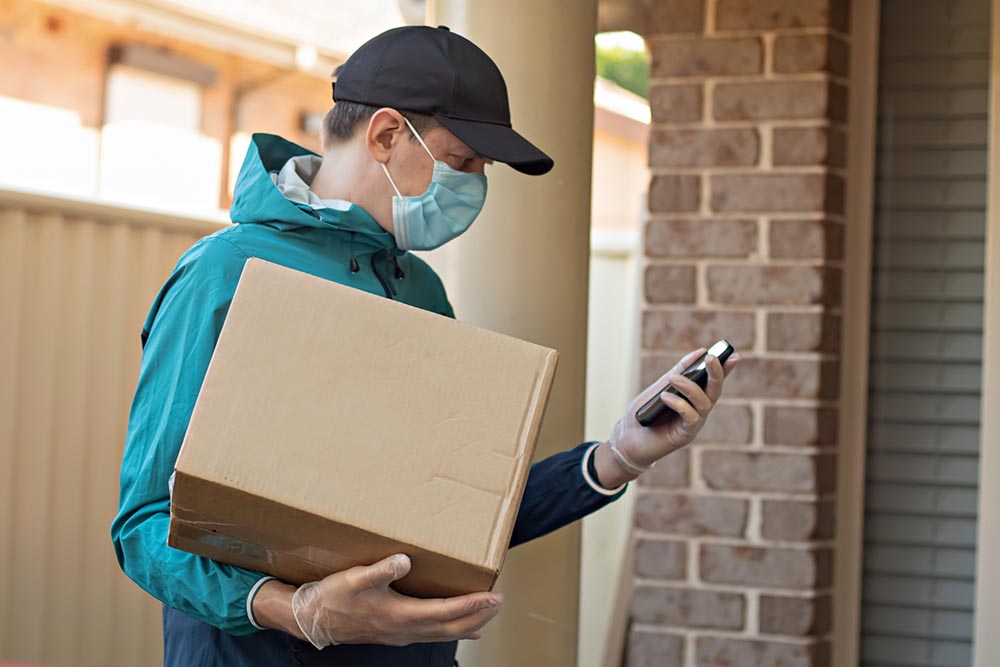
(411, 167)
(387, 142)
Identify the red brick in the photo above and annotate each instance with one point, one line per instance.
(803, 332)
(701, 238)
(763, 378)
(771, 14)
(690, 514)
(777, 192)
(674, 193)
(765, 566)
(730, 652)
(757, 471)
(654, 649)
(806, 239)
(797, 520)
(727, 424)
(703, 148)
(661, 559)
(750, 284)
(810, 426)
(675, 103)
(796, 616)
(775, 100)
(670, 283)
(784, 378)
(798, 146)
(810, 53)
(676, 16)
(685, 607)
(670, 472)
(705, 56)
(688, 329)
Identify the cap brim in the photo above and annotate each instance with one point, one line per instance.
(499, 143)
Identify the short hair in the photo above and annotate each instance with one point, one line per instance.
(341, 122)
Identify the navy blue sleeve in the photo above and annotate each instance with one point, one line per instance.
(557, 494)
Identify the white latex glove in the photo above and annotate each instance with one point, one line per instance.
(357, 606)
(643, 446)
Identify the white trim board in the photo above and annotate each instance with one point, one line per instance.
(986, 646)
(855, 335)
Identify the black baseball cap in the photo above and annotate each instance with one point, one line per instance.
(436, 72)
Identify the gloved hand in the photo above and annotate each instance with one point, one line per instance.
(357, 606)
(639, 447)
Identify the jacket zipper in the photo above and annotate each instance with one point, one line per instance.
(386, 287)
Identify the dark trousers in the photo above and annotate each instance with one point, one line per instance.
(190, 643)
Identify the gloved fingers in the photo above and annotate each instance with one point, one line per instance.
(441, 610)
(412, 629)
(380, 574)
(466, 625)
(717, 373)
(698, 397)
(688, 414)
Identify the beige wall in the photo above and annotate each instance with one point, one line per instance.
(620, 176)
(612, 361)
(620, 179)
(620, 169)
(76, 280)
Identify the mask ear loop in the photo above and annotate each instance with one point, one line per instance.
(417, 135)
(419, 138)
(391, 182)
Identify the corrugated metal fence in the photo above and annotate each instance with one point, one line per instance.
(76, 279)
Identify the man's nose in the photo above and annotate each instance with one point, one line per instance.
(478, 166)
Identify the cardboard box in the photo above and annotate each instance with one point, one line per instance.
(335, 428)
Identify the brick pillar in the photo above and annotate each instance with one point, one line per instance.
(744, 241)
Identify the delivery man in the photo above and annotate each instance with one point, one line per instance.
(419, 114)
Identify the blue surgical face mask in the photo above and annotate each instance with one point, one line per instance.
(443, 212)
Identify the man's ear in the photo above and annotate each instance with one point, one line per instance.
(384, 131)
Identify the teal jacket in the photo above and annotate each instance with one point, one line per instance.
(345, 245)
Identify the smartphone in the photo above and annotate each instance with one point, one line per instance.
(654, 410)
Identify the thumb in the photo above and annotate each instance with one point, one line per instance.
(386, 571)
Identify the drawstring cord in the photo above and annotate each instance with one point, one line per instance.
(354, 265)
(391, 265)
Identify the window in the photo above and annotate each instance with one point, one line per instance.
(152, 151)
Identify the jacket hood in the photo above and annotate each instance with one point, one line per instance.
(257, 198)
